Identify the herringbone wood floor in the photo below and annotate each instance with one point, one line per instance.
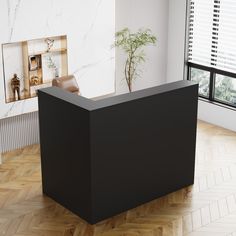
(206, 209)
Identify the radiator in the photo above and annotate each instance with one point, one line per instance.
(19, 131)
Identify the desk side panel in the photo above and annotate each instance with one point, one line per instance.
(65, 153)
(142, 150)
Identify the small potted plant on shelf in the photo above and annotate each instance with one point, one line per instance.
(52, 65)
(132, 44)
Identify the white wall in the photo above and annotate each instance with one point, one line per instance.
(217, 115)
(89, 26)
(176, 40)
(136, 14)
(175, 67)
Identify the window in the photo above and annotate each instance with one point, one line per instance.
(212, 49)
(225, 89)
(203, 78)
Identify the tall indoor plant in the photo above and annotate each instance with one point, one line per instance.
(132, 44)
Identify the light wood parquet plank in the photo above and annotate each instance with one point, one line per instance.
(208, 208)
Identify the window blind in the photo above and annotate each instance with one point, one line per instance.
(212, 34)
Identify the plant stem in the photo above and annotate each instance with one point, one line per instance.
(126, 75)
(129, 71)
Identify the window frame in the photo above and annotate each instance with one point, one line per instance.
(213, 72)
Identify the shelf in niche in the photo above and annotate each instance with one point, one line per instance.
(35, 85)
(58, 50)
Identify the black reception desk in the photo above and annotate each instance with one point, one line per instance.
(100, 158)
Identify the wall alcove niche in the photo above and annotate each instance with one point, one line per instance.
(31, 65)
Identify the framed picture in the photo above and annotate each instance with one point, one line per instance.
(34, 62)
